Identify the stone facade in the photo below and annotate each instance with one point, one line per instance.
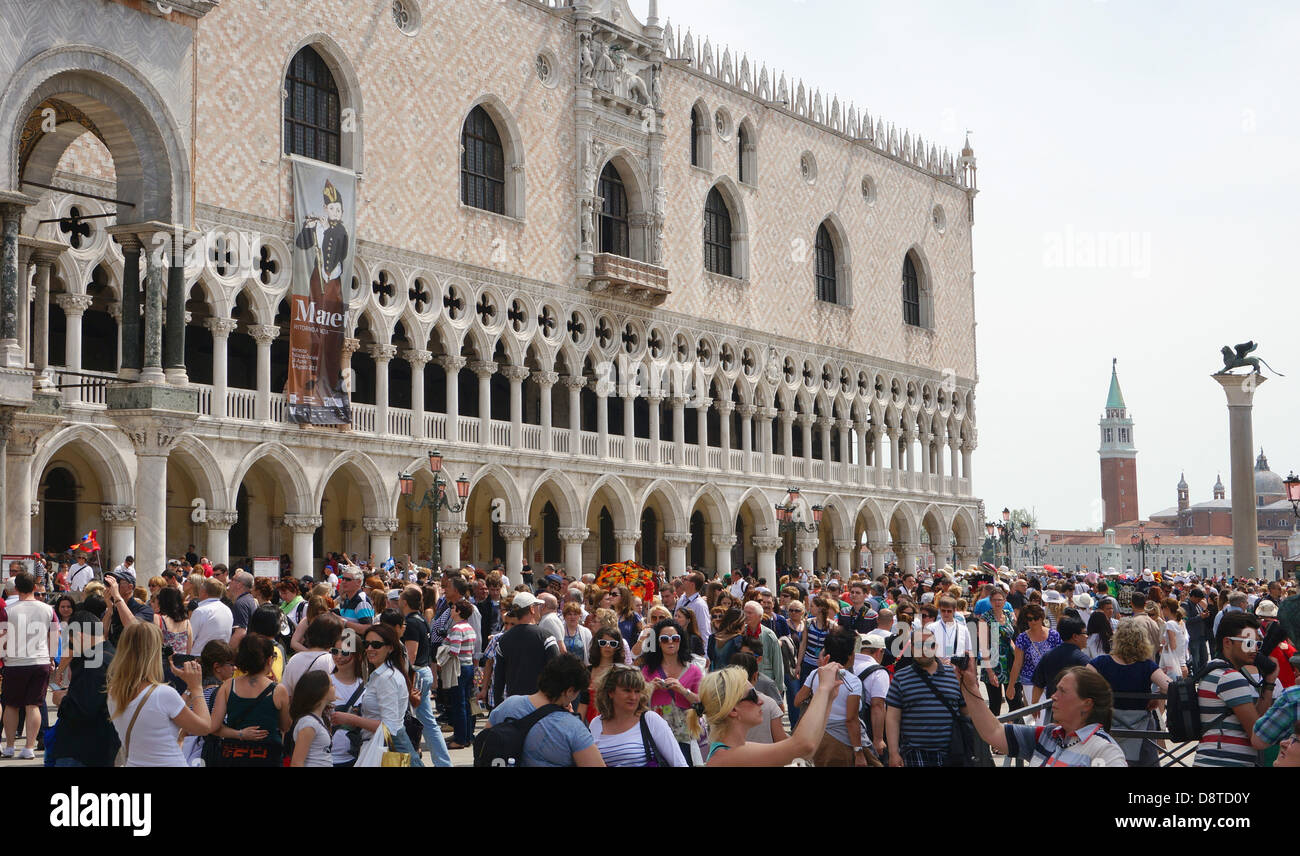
(180, 114)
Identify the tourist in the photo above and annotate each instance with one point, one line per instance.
(841, 745)
(355, 606)
(558, 739)
(950, 635)
(606, 651)
(311, 736)
(692, 641)
(349, 680)
(920, 706)
(725, 640)
(1101, 632)
(147, 713)
(1130, 670)
(415, 638)
(875, 679)
(321, 637)
(675, 680)
(460, 644)
(1176, 640)
(577, 639)
(1231, 700)
(731, 707)
(388, 692)
(626, 732)
(1074, 638)
(85, 736)
(26, 632)
(244, 603)
(999, 618)
(523, 651)
(770, 729)
(692, 584)
(771, 663)
(814, 635)
(1031, 645)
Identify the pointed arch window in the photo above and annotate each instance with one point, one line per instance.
(742, 143)
(826, 276)
(697, 131)
(311, 114)
(717, 234)
(482, 166)
(613, 213)
(911, 293)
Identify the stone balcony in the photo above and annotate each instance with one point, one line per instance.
(620, 276)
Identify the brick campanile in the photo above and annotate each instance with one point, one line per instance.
(1118, 458)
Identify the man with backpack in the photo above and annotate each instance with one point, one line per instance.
(1229, 699)
(874, 677)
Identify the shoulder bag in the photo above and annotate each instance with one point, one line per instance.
(965, 749)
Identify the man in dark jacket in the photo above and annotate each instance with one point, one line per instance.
(85, 736)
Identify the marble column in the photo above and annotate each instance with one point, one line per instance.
(350, 347)
(907, 555)
(864, 452)
(626, 540)
(654, 400)
(954, 450)
(382, 355)
(602, 420)
(130, 325)
(702, 430)
(805, 425)
(74, 308)
(451, 366)
(516, 375)
(677, 543)
(747, 412)
(722, 546)
(895, 458)
(724, 408)
(966, 448)
(575, 385)
(766, 547)
(12, 206)
(263, 335)
(155, 283)
(347, 527)
(630, 392)
(153, 438)
(221, 328)
(304, 528)
(573, 539)
(878, 456)
(119, 540)
(678, 404)
(514, 536)
(483, 370)
(545, 381)
(449, 535)
(878, 544)
(787, 440)
(806, 544)
(1240, 393)
(417, 359)
(218, 545)
(174, 345)
(380, 531)
(39, 335)
(766, 427)
(846, 449)
(825, 424)
(844, 555)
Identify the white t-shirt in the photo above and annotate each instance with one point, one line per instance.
(627, 749)
(154, 738)
(762, 733)
(950, 640)
(79, 576)
(340, 746)
(319, 753)
(27, 635)
(302, 663)
(837, 721)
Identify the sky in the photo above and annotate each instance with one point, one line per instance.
(1166, 132)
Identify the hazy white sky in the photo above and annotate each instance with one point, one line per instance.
(1166, 130)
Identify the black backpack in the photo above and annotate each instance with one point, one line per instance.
(1183, 706)
(502, 745)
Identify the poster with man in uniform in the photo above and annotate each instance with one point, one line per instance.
(324, 247)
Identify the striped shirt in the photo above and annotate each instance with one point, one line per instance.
(926, 721)
(1278, 722)
(461, 641)
(1225, 743)
(816, 639)
(1050, 746)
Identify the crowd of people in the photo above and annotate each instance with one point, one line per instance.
(368, 663)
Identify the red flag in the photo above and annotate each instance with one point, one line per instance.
(87, 543)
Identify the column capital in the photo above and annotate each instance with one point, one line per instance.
(747, 411)
(724, 540)
(222, 519)
(453, 529)
(825, 423)
(516, 373)
(846, 424)
(768, 413)
(514, 532)
(678, 402)
(417, 358)
(119, 513)
(264, 334)
(704, 403)
(546, 380)
(303, 524)
(483, 368)
(571, 535)
(677, 539)
(574, 381)
(844, 543)
(654, 397)
(150, 433)
(861, 427)
(909, 549)
(382, 353)
(219, 327)
(74, 304)
(350, 347)
(724, 406)
(452, 364)
(380, 525)
(880, 545)
(767, 543)
(786, 416)
(807, 540)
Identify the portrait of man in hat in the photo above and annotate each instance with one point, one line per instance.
(325, 238)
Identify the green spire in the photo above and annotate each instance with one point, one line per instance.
(1115, 400)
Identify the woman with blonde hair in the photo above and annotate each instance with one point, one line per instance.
(316, 607)
(1129, 668)
(626, 731)
(148, 713)
(658, 613)
(730, 705)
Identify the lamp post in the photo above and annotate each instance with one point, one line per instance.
(1139, 540)
(1006, 533)
(788, 518)
(435, 499)
(1292, 483)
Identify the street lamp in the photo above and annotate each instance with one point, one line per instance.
(789, 520)
(1292, 483)
(435, 499)
(1139, 540)
(1005, 532)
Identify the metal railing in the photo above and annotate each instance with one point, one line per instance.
(1165, 756)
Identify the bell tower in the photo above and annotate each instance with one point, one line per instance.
(1118, 458)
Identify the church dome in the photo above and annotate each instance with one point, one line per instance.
(1268, 484)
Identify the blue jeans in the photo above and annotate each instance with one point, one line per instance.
(462, 721)
(792, 686)
(424, 712)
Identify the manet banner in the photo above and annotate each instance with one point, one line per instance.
(324, 205)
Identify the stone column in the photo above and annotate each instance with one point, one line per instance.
(12, 206)
(347, 527)
(702, 430)
(275, 535)
(724, 407)
(74, 307)
(909, 445)
(417, 359)
(155, 283)
(39, 335)
(174, 346)
(679, 432)
(153, 436)
(573, 539)
(514, 536)
(968, 556)
(766, 426)
(483, 370)
(1240, 392)
(878, 544)
(218, 547)
(767, 548)
(825, 424)
(954, 448)
(846, 448)
(130, 332)
(806, 544)
(895, 458)
(546, 384)
(451, 367)
(864, 449)
(787, 440)
(382, 355)
(516, 375)
(575, 385)
(263, 335)
(120, 522)
(602, 420)
(221, 329)
(878, 442)
(722, 545)
(966, 448)
(626, 540)
(677, 542)
(805, 424)
(449, 535)
(907, 555)
(844, 555)
(350, 347)
(380, 530)
(629, 422)
(653, 400)
(304, 528)
(747, 437)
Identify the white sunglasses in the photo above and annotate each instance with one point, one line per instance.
(1248, 643)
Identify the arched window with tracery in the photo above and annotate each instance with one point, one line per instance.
(613, 213)
(717, 234)
(482, 166)
(311, 114)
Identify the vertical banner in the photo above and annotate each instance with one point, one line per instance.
(324, 206)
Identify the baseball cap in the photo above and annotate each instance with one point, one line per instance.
(120, 575)
(873, 640)
(523, 600)
(554, 578)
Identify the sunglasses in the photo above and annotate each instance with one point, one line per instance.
(1248, 643)
(609, 643)
(669, 638)
(375, 644)
(339, 652)
(751, 696)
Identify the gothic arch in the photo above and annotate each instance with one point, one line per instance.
(925, 282)
(675, 518)
(734, 200)
(870, 514)
(496, 477)
(843, 258)
(512, 143)
(378, 499)
(562, 494)
(286, 466)
(99, 451)
(351, 142)
(201, 466)
(624, 508)
(760, 508)
(715, 507)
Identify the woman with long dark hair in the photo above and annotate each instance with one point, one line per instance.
(252, 711)
(606, 649)
(388, 690)
(675, 680)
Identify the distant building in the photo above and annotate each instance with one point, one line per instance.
(1118, 458)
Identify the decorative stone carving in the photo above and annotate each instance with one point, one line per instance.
(382, 353)
(304, 524)
(220, 328)
(842, 544)
(588, 226)
(677, 539)
(152, 434)
(265, 334)
(117, 514)
(74, 304)
(767, 543)
(511, 532)
(724, 540)
(606, 73)
(570, 536)
(380, 525)
(222, 519)
(417, 358)
(452, 529)
(586, 64)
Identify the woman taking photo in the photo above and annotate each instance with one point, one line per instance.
(253, 710)
(1081, 711)
(731, 707)
(674, 679)
(627, 733)
(388, 691)
(1129, 668)
(147, 713)
(606, 650)
(1031, 646)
